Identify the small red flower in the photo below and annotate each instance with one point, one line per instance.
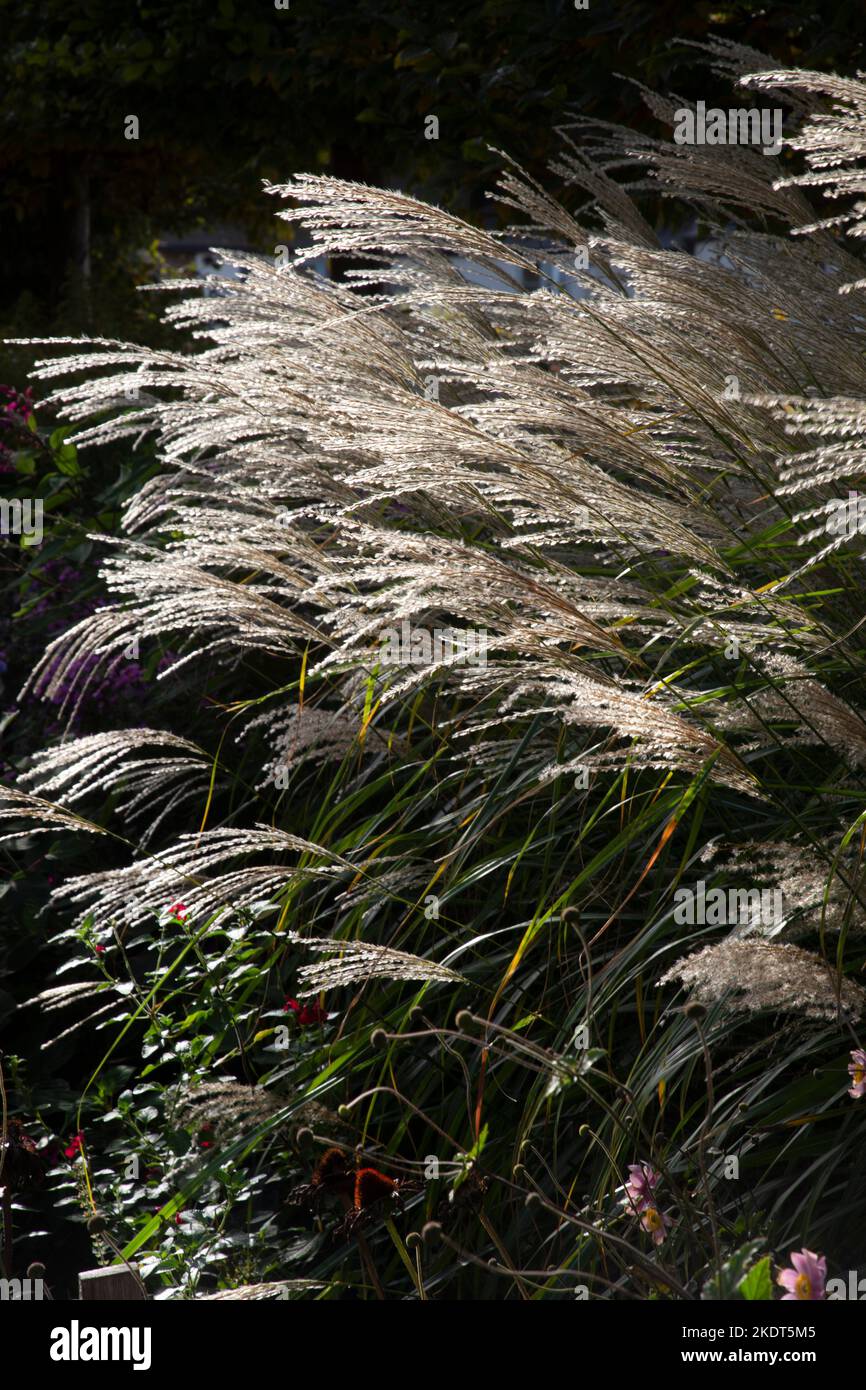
(177, 1218)
(305, 1013)
(100, 950)
(178, 910)
(75, 1147)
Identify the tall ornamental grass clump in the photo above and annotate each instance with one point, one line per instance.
(510, 854)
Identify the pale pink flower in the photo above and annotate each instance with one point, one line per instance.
(807, 1277)
(642, 1182)
(656, 1223)
(857, 1071)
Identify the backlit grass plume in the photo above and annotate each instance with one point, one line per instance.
(621, 480)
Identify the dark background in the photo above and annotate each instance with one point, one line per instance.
(228, 92)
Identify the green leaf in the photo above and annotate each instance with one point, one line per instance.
(66, 461)
(415, 56)
(567, 1071)
(758, 1283)
(726, 1284)
(179, 1141)
(476, 150)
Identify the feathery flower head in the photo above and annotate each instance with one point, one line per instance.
(754, 976)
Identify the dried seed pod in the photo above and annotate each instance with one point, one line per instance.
(23, 1166)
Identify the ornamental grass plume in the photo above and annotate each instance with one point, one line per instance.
(821, 891)
(628, 468)
(752, 976)
(223, 1108)
(581, 429)
(352, 961)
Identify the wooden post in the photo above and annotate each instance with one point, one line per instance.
(117, 1282)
